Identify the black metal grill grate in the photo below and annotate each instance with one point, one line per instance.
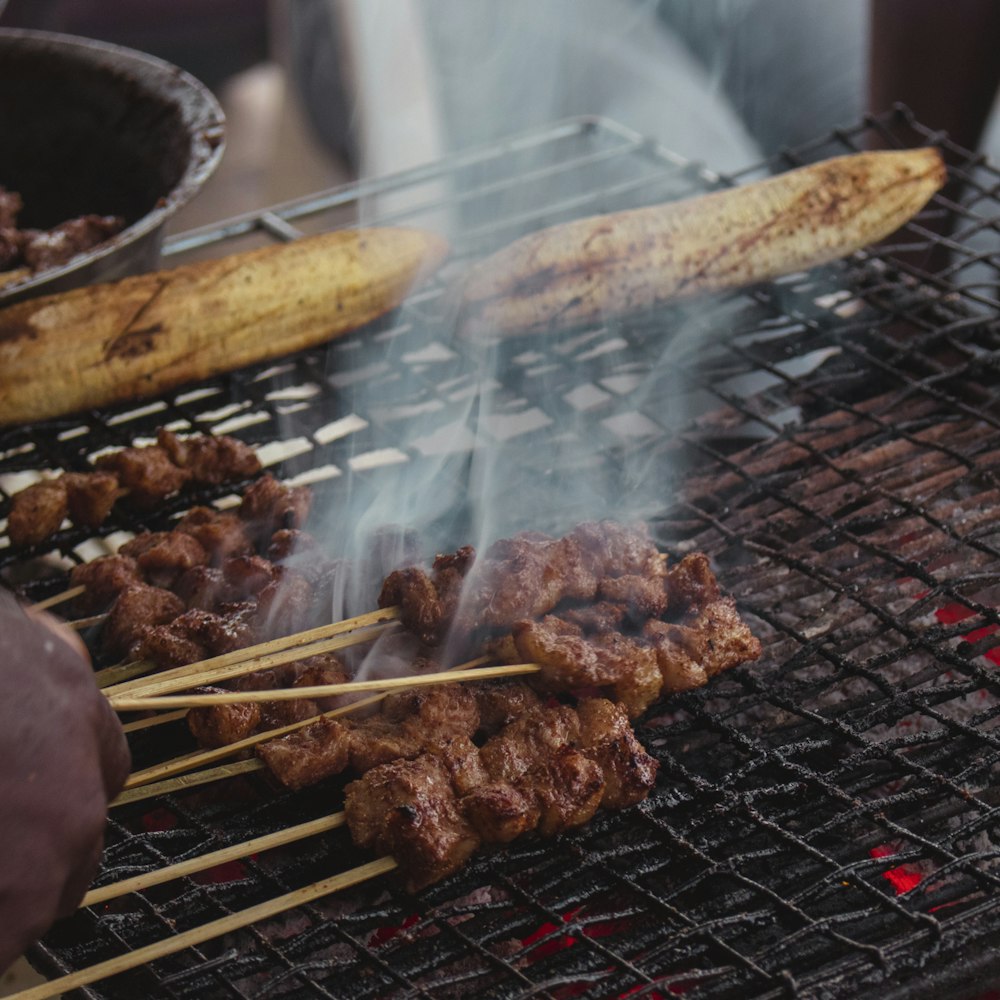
(825, 823)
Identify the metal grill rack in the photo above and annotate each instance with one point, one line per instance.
(825, 822)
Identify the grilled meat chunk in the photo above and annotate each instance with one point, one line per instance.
(164, 556)
(210, 459)
(710, 639)
(104, 579)
(37, 512)
(269, 506)
(217, 725)
(90, 496)
(432, 812)
(501, 702)
(205, 588)
(408, 725)
(528, 576)
(194, 635)
(49, 248)
(408, 809)
(220, 533)
(607, 738)
(136, 608)
(691, 584)
(147, 473)
(571, 660)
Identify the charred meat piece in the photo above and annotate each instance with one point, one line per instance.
(522, 743)
(501, 702)
(37, 512)
(432, 812)
(147, 473)
(530, 575)
(285, 605)
(249, 575)
(710, 639)
(163, 556)
(194, 635)
(135, 609)
(408, 725)
(602, 616)
(63, 242)
(104, 579)
(269, 506)
(421, 609)
(210, 459)
(691, 584)
(607, 738)
(214, 728)
(308, 755)
(408, 809)
(205, 587)
(90, 496)
(220, 533)
(217, 725)
(428, 602)
(571, 660)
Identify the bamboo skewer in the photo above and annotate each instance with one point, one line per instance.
(51, 602)
(80, 624)
(206, 932)
(127, 703)
(213, 858)
(184, 782)
(153, 720)
(290, 647)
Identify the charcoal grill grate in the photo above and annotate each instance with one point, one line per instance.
(826, 821)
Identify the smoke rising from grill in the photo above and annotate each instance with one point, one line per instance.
(491, 440)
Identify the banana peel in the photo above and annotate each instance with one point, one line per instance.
(142, 336)
(628, 262)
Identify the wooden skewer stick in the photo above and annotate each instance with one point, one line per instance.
(81, 623)
(120, 672)
(204, 671)
(219, 857)
(132, 703)
(153, 720)
(153, 688)
(206, 932)
(186, 781)
(189, 761)
(51, 602)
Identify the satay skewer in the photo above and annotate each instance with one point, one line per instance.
(300, 644)
(190, 761)
(56, 599)
(132, 703)
(206, 932)
(153, 720)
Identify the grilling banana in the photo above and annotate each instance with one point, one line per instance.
(141, 336)
(627, 262)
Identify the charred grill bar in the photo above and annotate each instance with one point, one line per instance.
(825, 822)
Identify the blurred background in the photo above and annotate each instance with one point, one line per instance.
(319, 92)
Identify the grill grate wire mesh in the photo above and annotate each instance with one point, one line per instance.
(826, 821)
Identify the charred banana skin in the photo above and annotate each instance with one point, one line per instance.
(625, 263)
(144, 335)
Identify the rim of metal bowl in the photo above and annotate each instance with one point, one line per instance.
(201, 114)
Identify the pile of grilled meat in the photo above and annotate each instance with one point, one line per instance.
(447, 769)
(38, 249)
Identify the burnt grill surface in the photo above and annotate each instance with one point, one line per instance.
(826, 821)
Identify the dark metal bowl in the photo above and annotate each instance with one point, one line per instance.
(87, 127)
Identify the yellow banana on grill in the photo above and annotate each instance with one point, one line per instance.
(141, 336)
(627, 262)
